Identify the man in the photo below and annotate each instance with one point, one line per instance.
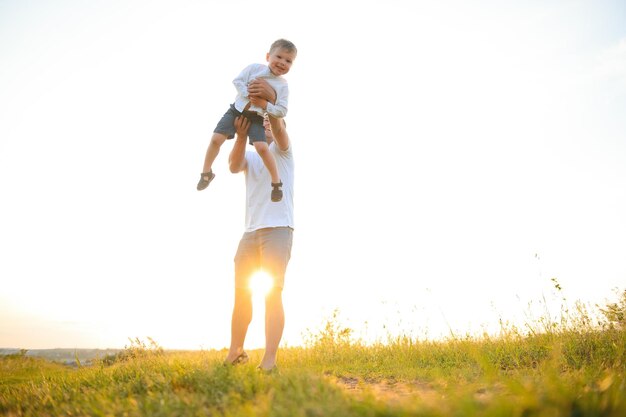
(266, 242)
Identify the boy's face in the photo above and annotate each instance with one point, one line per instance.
(280, 61)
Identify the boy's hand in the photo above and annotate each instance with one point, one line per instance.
(261, 89)
(242, 125)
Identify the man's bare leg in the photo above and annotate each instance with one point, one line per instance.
(242, 316)
(274, 325)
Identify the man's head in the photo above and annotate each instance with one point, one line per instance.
(268, 128)
(281, 56)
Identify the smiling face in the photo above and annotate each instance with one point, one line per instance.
(280, 60)
(269, 135)
(268, 129)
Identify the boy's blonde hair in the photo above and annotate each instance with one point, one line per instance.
(284, 44)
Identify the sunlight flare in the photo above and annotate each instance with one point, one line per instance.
(261, 283)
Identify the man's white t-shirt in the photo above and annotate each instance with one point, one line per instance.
(261, 211)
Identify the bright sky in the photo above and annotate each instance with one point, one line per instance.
(451, 159)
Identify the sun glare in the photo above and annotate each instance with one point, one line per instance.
(260, 283)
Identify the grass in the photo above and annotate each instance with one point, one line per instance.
(567, 368)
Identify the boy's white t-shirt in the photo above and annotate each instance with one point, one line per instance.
(261, 211)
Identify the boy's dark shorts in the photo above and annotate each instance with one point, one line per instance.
(226, 126)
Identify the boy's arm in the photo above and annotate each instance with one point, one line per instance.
(262, 94)
(237, 157)
(279, 108)
(280, 133)
(241, 81)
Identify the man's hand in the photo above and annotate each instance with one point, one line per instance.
(259, 102)
(242, 125)
(261, 89)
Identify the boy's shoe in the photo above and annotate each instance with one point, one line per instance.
(277, 193)
(239, 360)
(205, 180)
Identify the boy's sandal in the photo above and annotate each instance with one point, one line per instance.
(277, 193)
(205, 179)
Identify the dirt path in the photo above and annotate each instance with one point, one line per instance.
(398, 392)
(390, 390)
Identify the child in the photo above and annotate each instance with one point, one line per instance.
(280, 58)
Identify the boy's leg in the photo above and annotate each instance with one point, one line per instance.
(268, 159)
(270, 163)
(217, 140)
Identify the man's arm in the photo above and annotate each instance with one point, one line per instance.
(261, 92)
(280, 133)
(237, 157)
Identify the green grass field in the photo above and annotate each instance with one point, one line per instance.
(570, 368)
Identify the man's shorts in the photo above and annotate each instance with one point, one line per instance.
(226, 125)
(268, 249)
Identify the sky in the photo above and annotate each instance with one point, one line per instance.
(451, 158)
